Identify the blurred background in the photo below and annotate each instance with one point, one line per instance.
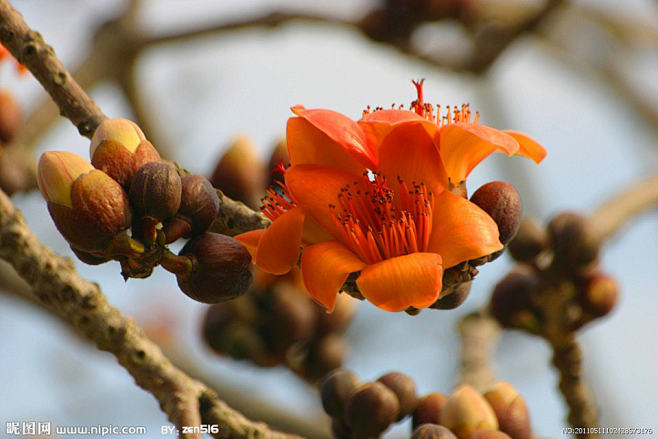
(581, 77)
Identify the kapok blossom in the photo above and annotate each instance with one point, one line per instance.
(372, 197)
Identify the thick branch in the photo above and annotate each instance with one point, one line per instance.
(55, 282)
(28, 47)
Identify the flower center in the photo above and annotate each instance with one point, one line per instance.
(374, 228)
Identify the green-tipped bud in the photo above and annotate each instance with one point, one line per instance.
(598, 294)
(239, 174)
(88, 207)
(123, 131)
(428, 410)
(432, 431)
(10, 117)
(221, 269)
(198, 209)
(502, 202)
(574, 240)
(512, 299)
(335, 390)
(57, 170)
(530, 240)
(371, 410)
(467, 412)
(404, 388)
(510, 409)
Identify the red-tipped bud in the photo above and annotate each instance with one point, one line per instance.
(198, 209)
(428, 410)
(404, 388)
(432, 431)
(502, 202)
(88, 207)
(510, 409)
(530, 240)
(467, 412)
(10, 117)
(239, 174)
(371, 410)
(221, 269)
(335, 390)
(512, 299)
(598, 294)
(574, 240)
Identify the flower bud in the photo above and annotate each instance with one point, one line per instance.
(502, 202)
(325, 354)
(432, 431)
(156, 190)
(291, 318)
(215, 324)
(198, 209)
(405, 390)
(371, 410)
(598, 293)
(88, 207)
(123, 131)
(512, 299)
(89, 258)
(339, 320)
(458, 296)
(467, 412)
(239, 174)
(491, 434)
(530, 240)
(10, 117)
(335, 389)
(221, 269)
(574, 240)
(510, 409)
(428, 410)
(121, 163)
(340, 430)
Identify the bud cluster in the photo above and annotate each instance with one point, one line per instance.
(561, 257)
(128, 204)
(366, 410)
(277, 323)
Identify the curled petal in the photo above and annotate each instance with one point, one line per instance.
(250, 241)
(325, 268)
(343, 131)
(528, 147)
(398, 283)
(461, 230)
(464, 145)
(378, 124)
(279, 247)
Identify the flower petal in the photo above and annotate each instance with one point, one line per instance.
(325, 268)
(340, 129)
(250, 241)
(314, 188)
(398, 283)
(464, 145)
(410, 153)
(378, 124)
(528, 147)
(279, 247)
(461, 230)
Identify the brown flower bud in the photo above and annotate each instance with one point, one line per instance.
(239, 174)
(291, 318)
(198, 209)
(221, 269)
(122, 163)
(10, 117)
(510, 409)
(530, 240)
(89, 258)
(598, 293)
(467, 412)
(503, 204)
(339, 320)
(371, 410)
(339, 429)
(574, 240)
(325, 354)
(428, 410)
(491, 434)
(512, 299)
(458, 296)
(156, 190)
(215, 324)
(432, 431)
(335, 389)
(404, 388)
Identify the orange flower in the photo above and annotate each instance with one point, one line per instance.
(371, 197)
(4, 53)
